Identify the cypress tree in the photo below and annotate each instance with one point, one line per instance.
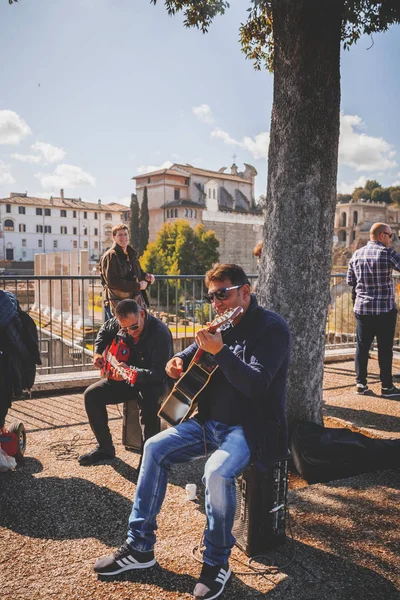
(143, 224)
(134, 224)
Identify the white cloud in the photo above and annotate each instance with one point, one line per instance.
(66, 176)
(149, 168)
(361, 151)
(50, 153)
(27, 158)
(203, 113)
(5, 175)
(47, 154)
(348, 188)
(257, 146)
(12, 128)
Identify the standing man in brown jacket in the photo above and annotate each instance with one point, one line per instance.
(121, 274)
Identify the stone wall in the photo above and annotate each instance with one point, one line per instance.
(237, 241)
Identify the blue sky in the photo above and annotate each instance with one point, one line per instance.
(94, 92)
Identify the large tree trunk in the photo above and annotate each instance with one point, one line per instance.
(301, 193)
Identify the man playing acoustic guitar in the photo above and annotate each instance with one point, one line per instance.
(241, 417)
(146, 345)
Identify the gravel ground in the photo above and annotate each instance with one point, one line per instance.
(57, 518)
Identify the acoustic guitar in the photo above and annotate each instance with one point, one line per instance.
(118, 351)
(182, 401)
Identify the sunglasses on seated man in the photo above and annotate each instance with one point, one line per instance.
(130, 328)
(221, 294)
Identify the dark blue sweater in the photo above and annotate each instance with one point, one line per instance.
(250, 384)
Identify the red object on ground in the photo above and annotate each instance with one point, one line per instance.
(8, 442)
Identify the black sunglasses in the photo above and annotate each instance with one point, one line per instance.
(389, 234)
(130, 327)
(221, 294)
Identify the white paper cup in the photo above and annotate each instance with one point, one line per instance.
(190, 491)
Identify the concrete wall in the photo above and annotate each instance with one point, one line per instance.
(237, 241)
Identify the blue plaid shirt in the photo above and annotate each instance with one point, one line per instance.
(370, 272)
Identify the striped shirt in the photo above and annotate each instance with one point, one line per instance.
(370, 272)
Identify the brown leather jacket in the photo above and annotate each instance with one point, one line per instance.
(121, 274)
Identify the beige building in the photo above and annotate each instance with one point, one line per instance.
(222, 201)
(353, 221)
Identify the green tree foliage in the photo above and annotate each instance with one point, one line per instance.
(395, 195)
(144, 224)
(180, 250)
(371, 184)
(134, 224)
(361, 194)
(381, 195)
(344, 198)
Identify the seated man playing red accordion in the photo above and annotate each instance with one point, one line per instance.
(132, 350)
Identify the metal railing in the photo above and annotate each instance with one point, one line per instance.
(68, 311)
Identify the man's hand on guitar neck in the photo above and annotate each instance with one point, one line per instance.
(98, 360)
(209, 342)
(174, 367)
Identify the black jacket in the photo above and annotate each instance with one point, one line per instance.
(150, 354)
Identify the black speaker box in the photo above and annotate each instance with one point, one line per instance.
(260, 518)
(131, 430)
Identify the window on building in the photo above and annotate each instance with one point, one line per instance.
(85, 214)
(39, 228)
(190, 213)
(96, 231)
(96, 215)
(108, 230)
(21, 210)
(55, 244)
(209, 192)
(22, 228)
(47, 228)
(63, 229)
(23, 254)
(177, 193)
(23, 242)
(96, 245)
(8, 225)
(85, 244)
(186, 181)
(74, 214)
(40, 243)
(195, 214)
(47, 212)
(85, 231)
(148, 180)
(8, 208)
(63, 213)
(39, 211)
(176, 212)
(75, 230)
(214, 193)
(186, 212)
(74, 244)
(108, 217)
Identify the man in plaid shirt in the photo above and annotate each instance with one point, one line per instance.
(370, 275)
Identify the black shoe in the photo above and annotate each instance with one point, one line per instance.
(212, 581)
(391, 392)
(361, 388)
(124, 559)
(95, 456)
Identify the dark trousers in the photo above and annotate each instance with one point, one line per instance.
(104, 392)
(382, 326)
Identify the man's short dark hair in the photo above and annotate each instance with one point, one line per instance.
(221, 271)
(127, 307)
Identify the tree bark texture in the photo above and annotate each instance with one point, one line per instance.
(301, 192)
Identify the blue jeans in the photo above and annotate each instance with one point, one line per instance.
(181, 444)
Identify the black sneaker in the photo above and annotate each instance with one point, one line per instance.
(361, 388)
(95, 456)
(390, 392)
(212, 581)
(124, 559)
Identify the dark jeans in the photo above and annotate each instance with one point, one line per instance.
(104, 392)
(382, 326)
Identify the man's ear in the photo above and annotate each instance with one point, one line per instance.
(246, 290)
